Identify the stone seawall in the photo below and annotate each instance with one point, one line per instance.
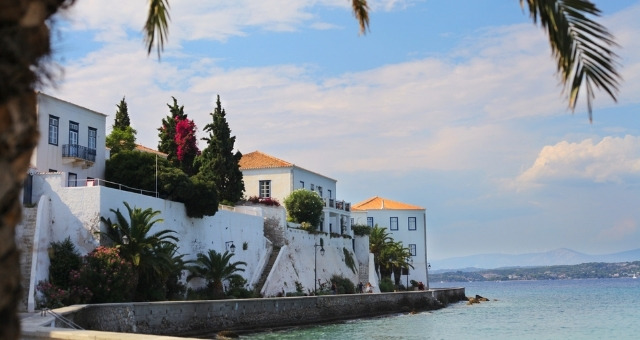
(197, 317)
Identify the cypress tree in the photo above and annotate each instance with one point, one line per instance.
(122, 116)
(167, 133)
(218, 162)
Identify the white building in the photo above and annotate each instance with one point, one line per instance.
(406, 223)
(266, 176)
(72, 141)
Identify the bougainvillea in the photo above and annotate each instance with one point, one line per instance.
(186, 147)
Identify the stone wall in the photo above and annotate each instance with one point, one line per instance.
(199, 317)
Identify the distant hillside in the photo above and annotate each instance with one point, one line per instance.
(551, 258)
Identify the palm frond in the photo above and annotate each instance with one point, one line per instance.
(157, 25)
(583, 48)
(361, 12)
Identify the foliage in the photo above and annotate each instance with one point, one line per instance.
(215, 267)
(304, 206)
(134, 169)
(122, 120)
(218, 163)
(109, 277)
(202, 199)
(238, 288)
(167, 132)
(389, 256)
(186, 147)
(268, 201)
(121, 139)
(64, 258)
(361, 229)
(386, 285)
(348, 259)
(151, 254)
(343, 285)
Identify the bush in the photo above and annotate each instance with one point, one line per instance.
(344, 285)
(237, 289)
(386, 285)
(304, 206)
(64, 258)
(361, 229)
(108, 276)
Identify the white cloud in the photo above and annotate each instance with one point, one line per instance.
(610, 160)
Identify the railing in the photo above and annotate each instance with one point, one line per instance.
(96, 182)
(79, 151)
(68, 323)
(340, 205)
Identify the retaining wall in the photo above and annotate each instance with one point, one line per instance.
(199, 317)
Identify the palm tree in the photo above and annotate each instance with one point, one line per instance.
(378, 240)
(215, 268)
(150, 254)
(581, 47)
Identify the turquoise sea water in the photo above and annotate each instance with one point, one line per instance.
(562, 309)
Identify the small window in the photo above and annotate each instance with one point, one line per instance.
(73, 133)
(53, 130)
(329, 193)
(351, 220)
(313, 187)
(370, 222)
(412, 223)
(412, 249)
(302, 184)
(265, 189)
(320, 190)
(72, 181)
(93, 136)
(393, 223)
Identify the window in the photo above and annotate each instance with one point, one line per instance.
(393, 223)
(265, 189)
(330, 193)
(320, 190)
(53, 129)
(412, 223)
(313, 187)
(370, 222)
(73, 133)
(412, 249)
(93, 135)
(302, 184)
(72, 181)
(351, 220)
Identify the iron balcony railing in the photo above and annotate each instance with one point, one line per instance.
(79, 151)
(340, 205)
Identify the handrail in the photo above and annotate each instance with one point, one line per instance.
(67, 322)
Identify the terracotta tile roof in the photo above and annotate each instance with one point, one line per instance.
(143, 148)
(379, 203)
(260, 160)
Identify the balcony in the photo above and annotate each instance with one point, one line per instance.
(78, 155)
(339, 205)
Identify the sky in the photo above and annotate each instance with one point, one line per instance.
(450, 105)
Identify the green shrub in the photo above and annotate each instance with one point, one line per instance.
(64, 258)
(304, 206)
(109, 277)
(386, 285)
(348, 259)
(361, 229)
(344, 285)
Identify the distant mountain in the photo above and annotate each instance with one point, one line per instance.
(561, 256)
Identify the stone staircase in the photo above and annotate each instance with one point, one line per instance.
(267, 269)
(24, 238)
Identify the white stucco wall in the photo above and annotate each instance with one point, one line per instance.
(296, 262)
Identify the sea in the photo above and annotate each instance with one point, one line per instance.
(555, 309)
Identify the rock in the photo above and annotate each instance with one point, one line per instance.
(227, 335)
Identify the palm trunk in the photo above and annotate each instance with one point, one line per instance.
(24, 37)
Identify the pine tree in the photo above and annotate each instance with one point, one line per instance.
(218, 162)
(168, 132)
(122, 116)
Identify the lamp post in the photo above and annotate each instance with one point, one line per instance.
(410, 261)
(230, 246)
(125, 239)
(315, 265)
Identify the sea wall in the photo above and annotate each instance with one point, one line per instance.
(197, 317)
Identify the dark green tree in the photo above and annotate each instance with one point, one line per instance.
(304, 206)
(122, 116)
(218, 163)
(167, 133)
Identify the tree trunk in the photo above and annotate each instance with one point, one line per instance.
(24, 41)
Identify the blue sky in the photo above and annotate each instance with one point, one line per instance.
(450, 105)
